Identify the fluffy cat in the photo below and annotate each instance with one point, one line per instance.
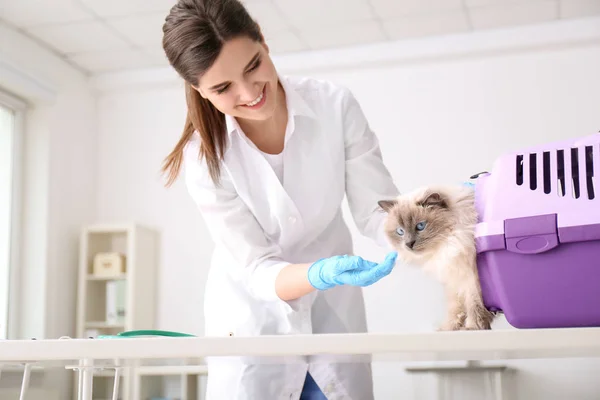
(433, 227)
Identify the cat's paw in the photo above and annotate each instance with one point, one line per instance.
(469, 328)
(480, 319)
(454, 325)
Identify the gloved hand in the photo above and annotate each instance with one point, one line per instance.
(349, 270)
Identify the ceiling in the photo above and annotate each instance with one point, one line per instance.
(107, 35)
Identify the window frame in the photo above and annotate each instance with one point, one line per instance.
(9, 328)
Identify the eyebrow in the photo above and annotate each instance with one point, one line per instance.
(252, 61)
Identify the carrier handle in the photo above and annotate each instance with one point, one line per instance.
(478, 174)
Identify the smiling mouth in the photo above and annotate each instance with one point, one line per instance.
(259, 101)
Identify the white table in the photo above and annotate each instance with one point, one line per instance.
(405, 347)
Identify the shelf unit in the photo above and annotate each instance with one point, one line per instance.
(140, 245)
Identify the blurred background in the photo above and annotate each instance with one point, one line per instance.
(89, 107)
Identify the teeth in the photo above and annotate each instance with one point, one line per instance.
(255, 102)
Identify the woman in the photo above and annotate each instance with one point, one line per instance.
(268, 161)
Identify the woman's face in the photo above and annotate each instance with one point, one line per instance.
(243, 81)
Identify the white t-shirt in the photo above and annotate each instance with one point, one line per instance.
(276, 161)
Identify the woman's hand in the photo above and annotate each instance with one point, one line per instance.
(349, 270)
(297, 280)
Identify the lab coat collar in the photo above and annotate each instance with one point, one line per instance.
(296, 106)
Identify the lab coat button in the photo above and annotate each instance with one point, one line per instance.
(292, 220)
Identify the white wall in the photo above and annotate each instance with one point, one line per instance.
(443, 108)
(442, 122)
(60, 179)
(59, 175)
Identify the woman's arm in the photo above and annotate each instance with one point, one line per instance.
(259, 260)
(367, 178)
(296, 280)
(292, 282)
(234, 227)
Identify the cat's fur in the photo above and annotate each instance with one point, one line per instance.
(445, 248)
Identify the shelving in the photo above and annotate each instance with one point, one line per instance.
(91, 277)
(134, 307)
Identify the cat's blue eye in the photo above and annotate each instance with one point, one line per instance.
(421, 225)
(400, 231)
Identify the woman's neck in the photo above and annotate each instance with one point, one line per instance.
(268, 135)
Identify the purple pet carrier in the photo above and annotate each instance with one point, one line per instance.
(538, 236)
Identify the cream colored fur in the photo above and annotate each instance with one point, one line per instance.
(445, 248)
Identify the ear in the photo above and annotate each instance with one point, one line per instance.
(434, 200)
(200, 92)
(262, 39)
(387, 205)
(264, 44)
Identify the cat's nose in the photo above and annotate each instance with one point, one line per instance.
(410, 244)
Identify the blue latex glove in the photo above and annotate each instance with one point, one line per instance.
(349, 270)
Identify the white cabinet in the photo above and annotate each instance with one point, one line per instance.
(133, 291)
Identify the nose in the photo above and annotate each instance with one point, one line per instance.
(248, 92)
(410, 244)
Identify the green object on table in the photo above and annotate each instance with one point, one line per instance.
(145, 332)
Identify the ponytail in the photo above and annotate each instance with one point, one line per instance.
(194, 33)
(209, 122)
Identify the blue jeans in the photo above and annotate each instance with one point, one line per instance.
(311, 390)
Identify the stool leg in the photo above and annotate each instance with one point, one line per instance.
(25, 384)
(136, 385)
(498, 393)
(116, 384)
(442, 387)
(88, 379)
(79, 383)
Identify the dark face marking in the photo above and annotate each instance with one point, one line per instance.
(417, 227)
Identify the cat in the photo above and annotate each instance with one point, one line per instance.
(433, 227)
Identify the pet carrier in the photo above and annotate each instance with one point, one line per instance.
(538, 235)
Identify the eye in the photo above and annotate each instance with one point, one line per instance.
(421, 225)
(400, 231)
(256, 65)
(223, 89)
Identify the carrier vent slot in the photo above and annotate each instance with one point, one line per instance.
(560, 162)
(589, 171)
(575, 172)
(533, 171)
(547, 185)
(519, 170)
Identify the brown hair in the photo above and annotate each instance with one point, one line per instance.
(193, 36)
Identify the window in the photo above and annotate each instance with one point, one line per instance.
(11, 116)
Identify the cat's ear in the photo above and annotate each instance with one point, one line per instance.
(387, 205)
(434, 200)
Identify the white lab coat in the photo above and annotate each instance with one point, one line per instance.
(260, 225)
